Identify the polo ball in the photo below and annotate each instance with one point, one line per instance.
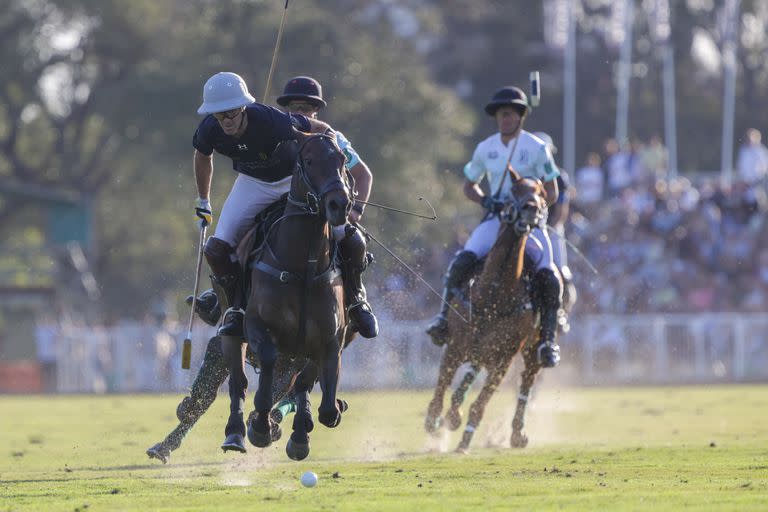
(309, 479)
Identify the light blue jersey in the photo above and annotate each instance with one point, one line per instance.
(348, 150)
(531, 159)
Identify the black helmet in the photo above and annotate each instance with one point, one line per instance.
(302, 88)
(505, 96)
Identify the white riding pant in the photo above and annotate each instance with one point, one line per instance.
(538, 246)
(247, 199)
(559, 250)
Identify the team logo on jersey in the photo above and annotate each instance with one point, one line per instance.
(242, 147)
(493, 155)
(523, 158)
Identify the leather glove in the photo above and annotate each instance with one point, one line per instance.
(492, 204)
(203, 212)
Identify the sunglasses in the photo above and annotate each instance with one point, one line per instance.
(229, 114)
(304, 108)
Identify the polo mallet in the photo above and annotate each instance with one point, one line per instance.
(274, 54)
(535, 88)
(186, 351)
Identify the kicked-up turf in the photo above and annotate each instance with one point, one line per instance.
(697, 448)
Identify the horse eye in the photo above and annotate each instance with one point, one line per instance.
(308, 162)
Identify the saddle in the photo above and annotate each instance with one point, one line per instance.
(528, 270)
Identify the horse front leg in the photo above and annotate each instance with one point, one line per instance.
(234, 355)
(297, 447)
(259, 424)
(448, 366)
(477, 408)
(453, 415)
(532, 367)
(329, 413)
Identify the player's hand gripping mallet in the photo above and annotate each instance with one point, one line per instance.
(186, 351)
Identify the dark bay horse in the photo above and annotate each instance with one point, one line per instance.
(501, 319)
(296, 301)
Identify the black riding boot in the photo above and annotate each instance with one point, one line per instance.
(547, 291)
(207, 307)
(227, 280)
(458, 270)
(354, 261)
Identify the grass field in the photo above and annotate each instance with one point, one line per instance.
(700, 448)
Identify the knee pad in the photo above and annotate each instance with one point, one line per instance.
(461, 265)
(353, 245)
(220, 256)
(547, 288)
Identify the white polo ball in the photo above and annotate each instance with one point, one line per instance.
(309, 479)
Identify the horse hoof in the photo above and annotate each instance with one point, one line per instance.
(159, 452)
(433, 425)
(462, 450)
(297, 451)
(518, 440)
(330, 419)
(261, 439)
(276, 432)
(453, 419)
(234, 443)
(275, 415)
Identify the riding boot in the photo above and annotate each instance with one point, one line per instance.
(207, 307)
(227, 280)
(458, 270)
(354, 261)
(546, 287)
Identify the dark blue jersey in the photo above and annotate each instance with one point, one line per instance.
(252, 152)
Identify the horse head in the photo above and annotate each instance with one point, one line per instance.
(323, 178)
(527, 205)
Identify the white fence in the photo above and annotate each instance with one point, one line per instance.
(641, 349)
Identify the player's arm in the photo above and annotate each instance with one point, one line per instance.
(203, 167)
(552, 191)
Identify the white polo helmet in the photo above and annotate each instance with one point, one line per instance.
(547, 140)
(224, 91)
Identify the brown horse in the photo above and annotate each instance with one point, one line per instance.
(501, 320)
(296, 303)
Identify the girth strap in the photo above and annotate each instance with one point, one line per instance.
(289, 277)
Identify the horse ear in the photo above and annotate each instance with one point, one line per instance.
(513, 173)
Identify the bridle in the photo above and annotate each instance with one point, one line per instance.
(312, 203)
(513, 211)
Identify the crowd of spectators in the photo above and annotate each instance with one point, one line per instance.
(670, 245)
(659, 244)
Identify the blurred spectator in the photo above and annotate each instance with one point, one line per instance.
(753, 158)
(590, 181)
(654, 158)
(46, 342)
(616, 167)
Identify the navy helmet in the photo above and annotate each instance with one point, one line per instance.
(506, 96)
(302, 88)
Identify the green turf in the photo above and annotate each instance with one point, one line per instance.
(612, 449)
